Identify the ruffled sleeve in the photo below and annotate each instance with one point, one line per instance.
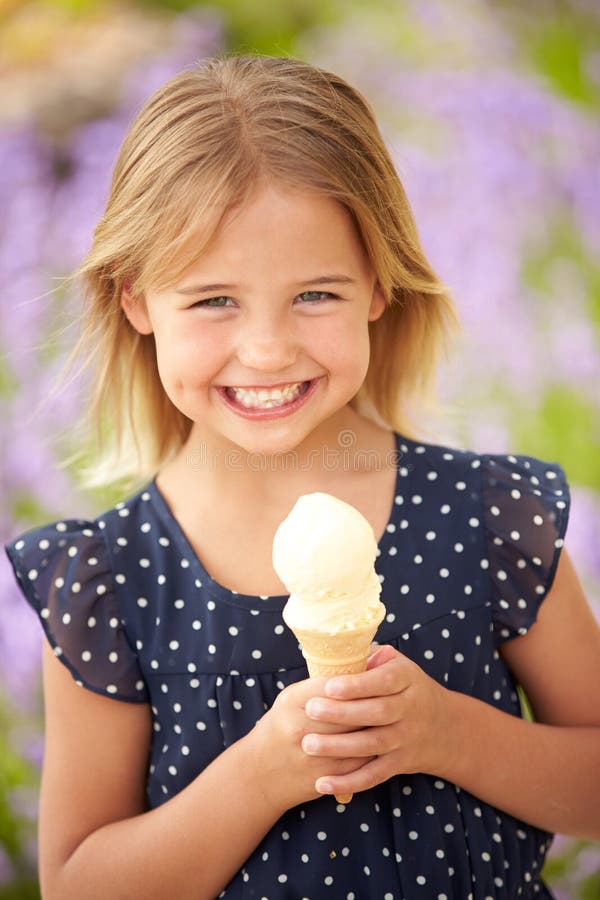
(526, 509)
(64, 572)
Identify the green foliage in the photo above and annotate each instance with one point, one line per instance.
(261, 25)
(557, 48)
(23, 889)
(16, 774)
(563, 429)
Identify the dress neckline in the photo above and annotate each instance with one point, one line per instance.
(219, 591)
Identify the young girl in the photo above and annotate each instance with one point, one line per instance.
(263, 320)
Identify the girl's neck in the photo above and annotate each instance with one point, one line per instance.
(230, 515)
(346, 445)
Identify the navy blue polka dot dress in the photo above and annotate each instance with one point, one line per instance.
(467, 557)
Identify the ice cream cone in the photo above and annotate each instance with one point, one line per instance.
(344, 653)
(324, 552)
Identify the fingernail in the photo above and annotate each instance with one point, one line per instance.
(323, 787)
(334, 687)
(313, 709)
(310, 743)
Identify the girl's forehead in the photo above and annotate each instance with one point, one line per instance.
(287, 234)
(285, 226)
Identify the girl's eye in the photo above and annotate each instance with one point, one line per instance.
(314, 296)
(214, 302)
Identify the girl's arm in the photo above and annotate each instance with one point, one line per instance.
(546, 773)
(96, 840)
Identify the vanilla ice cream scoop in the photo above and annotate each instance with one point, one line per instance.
(324, 552)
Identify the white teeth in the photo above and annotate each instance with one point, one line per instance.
(266, 398)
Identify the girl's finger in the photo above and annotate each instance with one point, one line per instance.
(391, 677)
(381, 654)
(355, 714)
(372, 773)
(369, 742)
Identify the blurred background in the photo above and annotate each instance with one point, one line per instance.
(492, 113)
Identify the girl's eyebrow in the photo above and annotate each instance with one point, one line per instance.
(322, 279)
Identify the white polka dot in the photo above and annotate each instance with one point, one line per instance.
(322, 835)
(113, 656)
(256, 654)
(538, 520)
(86, 656)
(417, 499)
(142, 602)
(430, 536)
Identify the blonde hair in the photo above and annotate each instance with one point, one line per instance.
(195, 150)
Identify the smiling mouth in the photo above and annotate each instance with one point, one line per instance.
(267, 398)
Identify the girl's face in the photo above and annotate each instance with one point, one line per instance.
(265, 339)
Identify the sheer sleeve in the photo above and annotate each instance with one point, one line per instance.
(526, 509)
(64, 572)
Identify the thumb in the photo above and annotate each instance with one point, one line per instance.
(381, 655)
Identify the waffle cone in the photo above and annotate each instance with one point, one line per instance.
(343, 653)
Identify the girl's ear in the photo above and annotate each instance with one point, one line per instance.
(378, 304)
(135, 309)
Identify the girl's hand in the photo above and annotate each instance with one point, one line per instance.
(393, 714)
(286, 773)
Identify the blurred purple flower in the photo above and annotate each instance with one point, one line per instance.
(7, 871)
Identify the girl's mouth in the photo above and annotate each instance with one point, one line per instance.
(261, 402)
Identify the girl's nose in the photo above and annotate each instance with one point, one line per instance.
(267, 350)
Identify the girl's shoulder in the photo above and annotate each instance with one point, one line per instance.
(513, 508)
(70, 572)
(521, 477)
